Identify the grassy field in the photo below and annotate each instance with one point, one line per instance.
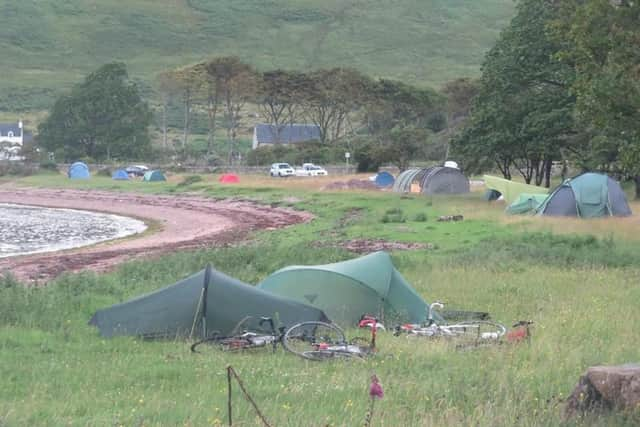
(54, 44)
(576, 279)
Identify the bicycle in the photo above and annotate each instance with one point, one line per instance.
(311, 340)
(245, 340)
(475, 330)
(322, 341)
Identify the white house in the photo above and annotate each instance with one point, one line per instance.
(12, 138)
(11, 134)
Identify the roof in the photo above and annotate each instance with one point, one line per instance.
(286, 134)
(5, 128)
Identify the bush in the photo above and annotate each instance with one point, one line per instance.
(190, 179)
(420, 217)
(393, 215)
(49, 165)
(104, 172)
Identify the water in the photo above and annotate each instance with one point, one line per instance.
(30, 229)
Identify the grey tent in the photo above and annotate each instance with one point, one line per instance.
(589, 195)
(206, 301)
(406, 178)
(444, 180)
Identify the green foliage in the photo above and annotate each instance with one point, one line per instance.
(522, 116)
(393, 215)
(601, 42)
(70, 39)
(103, 117)
(190, 179)
(296, 154)
(57, 370)
(420, 217)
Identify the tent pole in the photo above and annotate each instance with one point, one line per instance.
(205, 291)
(195, 316)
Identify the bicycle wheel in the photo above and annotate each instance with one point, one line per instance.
(314, 340)
(479, 330)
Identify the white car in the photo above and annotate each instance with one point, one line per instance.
(309, 169)
(281, 169)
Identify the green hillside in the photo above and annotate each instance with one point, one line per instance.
(47, 46)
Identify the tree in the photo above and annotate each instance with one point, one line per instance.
(522, 116)
(330, 96)
(279, 98)
(237, 83)
(403, 144)
(459, 94)
(392, 103)
(102, 117)
(604, 37)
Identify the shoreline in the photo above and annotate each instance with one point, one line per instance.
(175, 222)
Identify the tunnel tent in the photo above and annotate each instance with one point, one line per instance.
(510, 190)
(526, 204)
(204, 302)
(78, 170)
(384, 179)
(347, 290)
(589, 195)
(229, 178)
(154, 175)
(405, 180)
(120, 175)
(444, 180)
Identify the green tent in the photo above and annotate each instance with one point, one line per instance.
(154, 176)
(526, 204)
(589, 195)
(510, 190)
(205, 302)
(346, 290)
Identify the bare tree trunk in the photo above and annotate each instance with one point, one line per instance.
(187, 118)
(164, 124)
(547, 173)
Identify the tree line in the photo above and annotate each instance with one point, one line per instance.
(377, 120)
(561, 84)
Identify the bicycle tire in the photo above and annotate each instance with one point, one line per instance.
(479, 330)
(306, 339)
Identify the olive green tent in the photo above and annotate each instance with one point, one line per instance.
(205, 302)
(510, 190)
(526, 204)
(346, 290)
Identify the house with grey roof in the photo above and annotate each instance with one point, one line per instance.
(266, 134)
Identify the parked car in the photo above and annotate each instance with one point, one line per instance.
(281, 169)
(309, 169)
(136, 170)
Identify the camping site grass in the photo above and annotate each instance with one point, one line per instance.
(580, 288)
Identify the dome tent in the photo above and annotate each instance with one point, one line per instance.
(207, 301)
(589, 195)
(406, 178)
(229, 178)
(120, 175)
(444, 180)
(384, 179)
(78, 170)
(347, 290)
(154, 175)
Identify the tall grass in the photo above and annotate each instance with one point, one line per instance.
(581, 291)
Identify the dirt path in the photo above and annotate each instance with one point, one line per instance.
(186, 222)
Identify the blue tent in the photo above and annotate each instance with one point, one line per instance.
(384, 179)
(78, 170)
(120, 175)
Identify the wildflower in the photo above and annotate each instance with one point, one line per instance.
(375, 390)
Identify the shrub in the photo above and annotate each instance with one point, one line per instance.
(190, 179)
(420, 217)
